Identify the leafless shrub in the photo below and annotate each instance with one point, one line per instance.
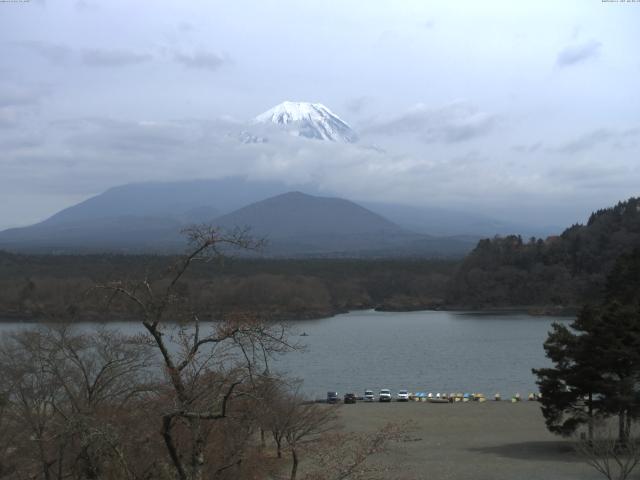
(293, 422)
(613, 459)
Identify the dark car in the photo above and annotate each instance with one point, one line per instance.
(332, 397)
(349, 398)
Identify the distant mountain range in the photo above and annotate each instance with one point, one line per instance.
(148, 217)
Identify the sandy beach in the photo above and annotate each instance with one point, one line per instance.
(475, 441)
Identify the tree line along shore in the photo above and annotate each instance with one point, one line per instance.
(555, 275)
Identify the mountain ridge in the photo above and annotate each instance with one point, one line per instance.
(164, 208)
(296, 223)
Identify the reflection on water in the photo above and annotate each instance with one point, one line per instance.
(420, 351)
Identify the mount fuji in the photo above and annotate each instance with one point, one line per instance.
(310, 120)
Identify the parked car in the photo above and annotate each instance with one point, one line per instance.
(349, 398)
(332, 397)
(402, 396)
(368, 396)
(384, 395)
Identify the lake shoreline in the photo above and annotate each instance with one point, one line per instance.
(532, 310)
(440, 351)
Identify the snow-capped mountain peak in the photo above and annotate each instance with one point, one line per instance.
(311, 120)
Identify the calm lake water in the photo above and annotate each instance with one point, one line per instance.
(420, 351)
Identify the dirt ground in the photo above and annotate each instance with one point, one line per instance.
(475, 441)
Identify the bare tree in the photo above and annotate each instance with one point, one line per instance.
(272, 411)
(65, 394)
(613, 459)
(206, 367)
(102, 374)
(308, 421)
(5, 447)
(311, 431)
(293, 422)
(30, 394)
(183, 400)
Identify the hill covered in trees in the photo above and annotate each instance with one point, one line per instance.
(59, 286)
(563, 271)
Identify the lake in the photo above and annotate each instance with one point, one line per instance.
(431, 351)
(422, 351)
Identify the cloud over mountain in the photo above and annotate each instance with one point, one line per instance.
(200, 60)
(452, 123)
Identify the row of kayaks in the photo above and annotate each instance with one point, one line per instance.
(464, 397)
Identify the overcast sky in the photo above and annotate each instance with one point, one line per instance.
(526, 110)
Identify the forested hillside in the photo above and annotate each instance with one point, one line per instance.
(547, 275)
(562, 271)
(56, 287)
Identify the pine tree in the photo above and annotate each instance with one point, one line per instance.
(617, 349)
(597, 359)
(570, 389)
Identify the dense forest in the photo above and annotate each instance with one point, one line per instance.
(563, 271)
(543, 275)
(59, 286)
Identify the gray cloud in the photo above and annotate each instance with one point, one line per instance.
(85, 6)
(594, 176)
(102, 152)
(18, 95)
(621, 139)
(54, 53)
(456, 122)
(125, 137)
(16, 101)
(95, 57)
(574, 54)
(186, 27)
(9, 118)
(334, 58)
(358, 104)
(200, 60)
(112, 58)
(631, 132)
(118, 151)
(21, 142)
(585, 142)
(529, 148)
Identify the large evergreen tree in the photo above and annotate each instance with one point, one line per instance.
(596, 360)
(570, 389)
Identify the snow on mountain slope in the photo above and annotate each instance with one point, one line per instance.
(311, 120)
